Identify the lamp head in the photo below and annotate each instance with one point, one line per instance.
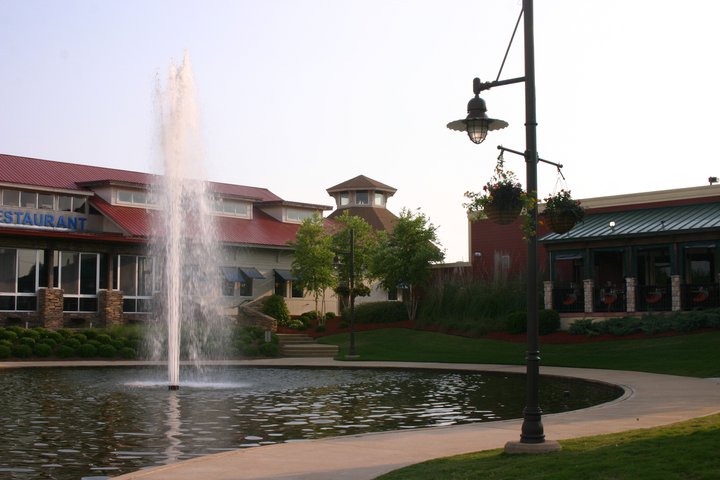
(477, 123)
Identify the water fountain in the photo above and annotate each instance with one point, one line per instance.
(184, 241)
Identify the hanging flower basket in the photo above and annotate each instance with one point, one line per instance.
(562, 212)
(561, 222)
(501, 200)
(502, 214)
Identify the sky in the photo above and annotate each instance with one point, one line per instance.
(297, 96)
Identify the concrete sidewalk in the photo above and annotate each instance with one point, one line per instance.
(649, 400)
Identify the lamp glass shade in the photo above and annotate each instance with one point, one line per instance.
(477, 129)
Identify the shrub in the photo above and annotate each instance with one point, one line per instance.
(378, 312)
(103, 338)
(65, 332)
(5, 351)
(276, 307)
(7, 334)
(48, 341)
(582, 326)
(296, 324)
(29, 333)
(90, 333)
(54, 336)
(66, 351)
(128, 353)
(87, 350)
(330, 315)
(548, 322)
(6, 343)
(320, 329)
(80, 337)
(28, 341)
(516, 322)
(270, 349)
(106, 350)
(21, 350)
(72, 342)
(250, 350)
(42, 350)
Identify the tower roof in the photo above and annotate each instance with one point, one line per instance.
(361, 182)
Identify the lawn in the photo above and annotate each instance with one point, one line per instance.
(686, 450)
(694, 355)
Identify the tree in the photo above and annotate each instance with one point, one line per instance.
(363, 245)
(313, 261)
(403, 257)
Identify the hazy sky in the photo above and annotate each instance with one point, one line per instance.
(299, 95)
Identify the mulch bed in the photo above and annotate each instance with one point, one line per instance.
(332, 327)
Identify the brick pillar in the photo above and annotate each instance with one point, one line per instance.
(676, 295)
(111, 307)
(548, 294)
(630, 295)
(50, 307)
(588, 286)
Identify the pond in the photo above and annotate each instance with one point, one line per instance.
(92, 423)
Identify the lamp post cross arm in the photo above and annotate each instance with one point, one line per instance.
(505, 149)
(479, 86)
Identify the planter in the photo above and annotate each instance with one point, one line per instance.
(502, 214)
(561, 222)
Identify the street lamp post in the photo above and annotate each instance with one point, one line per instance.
(477, 124)
(352, 353)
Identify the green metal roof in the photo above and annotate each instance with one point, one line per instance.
(642, 222)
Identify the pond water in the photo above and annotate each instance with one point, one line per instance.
(92, 423)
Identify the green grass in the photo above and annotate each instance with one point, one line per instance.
(693, 355)
(687, 450)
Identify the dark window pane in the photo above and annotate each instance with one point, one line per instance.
(246, 287)
(27, 304)
(103, 272)
(129, 305)
(70, 304)
(7, 303)
(88, 274)
(69, 272)
(88, 305)
(128, 272)
(297, 292)
(7, 270)
(144, 305)
(27, 266)
(280, 286)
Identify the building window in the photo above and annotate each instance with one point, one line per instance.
(11, 198)
(28, 199)
(296, 290)
(135, 197)
(298, 214)
(231, 208)
(344, 198)
(379, 199)
(135, 276)
(362, 197)
(20, 272)
(79, 277)
(46, 201)
(392, 294)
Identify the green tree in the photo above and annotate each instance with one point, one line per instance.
(313, 261)
(364, 243)
(403, 257)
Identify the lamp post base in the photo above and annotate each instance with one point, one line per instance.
(547, 446)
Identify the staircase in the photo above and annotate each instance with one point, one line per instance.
(301, 345)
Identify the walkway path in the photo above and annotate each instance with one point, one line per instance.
(650, 400)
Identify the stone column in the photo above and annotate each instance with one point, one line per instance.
(675, 293)
(548, 294)
(588, 286)
(630, 295)
(50, 307)
(111, 307)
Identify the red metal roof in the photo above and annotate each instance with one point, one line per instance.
(70, 176)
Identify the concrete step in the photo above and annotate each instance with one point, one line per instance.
(308, 350)
(293, 338)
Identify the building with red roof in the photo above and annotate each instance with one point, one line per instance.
(74, 242)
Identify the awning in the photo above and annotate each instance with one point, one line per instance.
(251, 272)
(568, 256)
(231, 274)
(285, 275)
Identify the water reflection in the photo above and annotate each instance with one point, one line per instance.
(73, 423)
